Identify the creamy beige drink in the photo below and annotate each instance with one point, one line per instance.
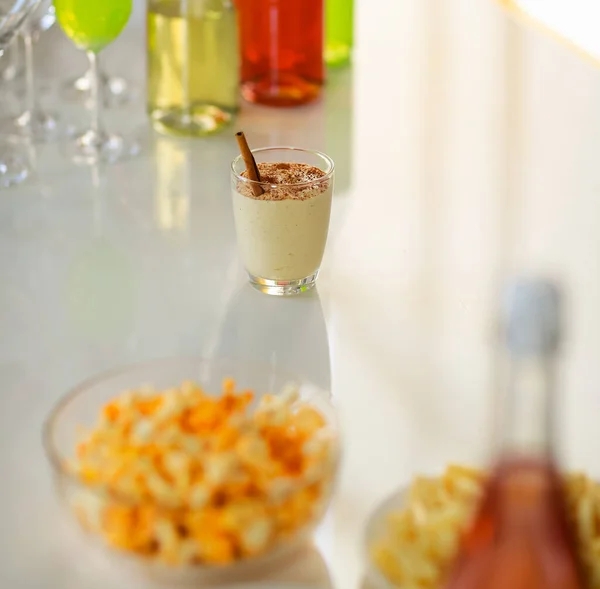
(282, 232)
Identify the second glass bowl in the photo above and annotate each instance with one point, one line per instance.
(375, 529)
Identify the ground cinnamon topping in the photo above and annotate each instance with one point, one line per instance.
(278, 181)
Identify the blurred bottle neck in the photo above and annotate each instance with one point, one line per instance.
(526, 428)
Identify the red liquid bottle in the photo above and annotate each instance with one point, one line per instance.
(521, 537)
(281, 44)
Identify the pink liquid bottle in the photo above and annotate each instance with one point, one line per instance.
(520, 537)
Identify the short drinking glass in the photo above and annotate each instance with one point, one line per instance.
(282, 222)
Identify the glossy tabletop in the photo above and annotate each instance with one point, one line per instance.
(467, 150)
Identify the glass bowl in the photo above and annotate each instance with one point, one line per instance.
(375, 528)
(78, 411)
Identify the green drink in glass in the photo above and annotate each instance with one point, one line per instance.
(339, 35)
(92, 25)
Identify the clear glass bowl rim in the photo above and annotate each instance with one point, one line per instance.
(389, 504)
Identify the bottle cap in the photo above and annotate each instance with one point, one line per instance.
(532, 317)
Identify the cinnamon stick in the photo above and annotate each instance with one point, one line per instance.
(251, 167)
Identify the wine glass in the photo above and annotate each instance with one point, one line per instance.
(92, 25)
(34, 122)
(13, 14)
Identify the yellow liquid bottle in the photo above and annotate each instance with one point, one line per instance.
(193, 71)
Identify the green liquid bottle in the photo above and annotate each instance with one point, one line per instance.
(339, 35)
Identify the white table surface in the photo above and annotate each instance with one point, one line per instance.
(467, 150)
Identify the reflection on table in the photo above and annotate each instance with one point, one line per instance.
(287, 333)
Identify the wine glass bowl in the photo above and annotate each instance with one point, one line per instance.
(12, 17)
(91, 27)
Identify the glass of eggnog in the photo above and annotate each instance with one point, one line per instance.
(282, 220)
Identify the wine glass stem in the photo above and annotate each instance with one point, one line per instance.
(95, 93)
(30, 101)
